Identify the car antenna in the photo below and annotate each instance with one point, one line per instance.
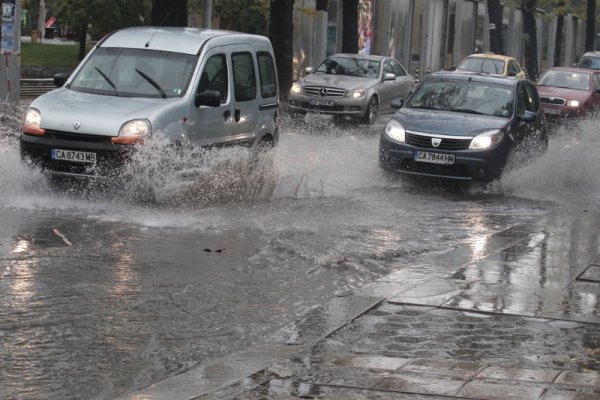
(156, 30)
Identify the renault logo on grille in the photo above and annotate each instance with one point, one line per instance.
(76, 125)
(435, 142)
(323, 92)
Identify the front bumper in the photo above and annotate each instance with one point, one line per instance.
(469, 165)
(110, 158)
(343, 106)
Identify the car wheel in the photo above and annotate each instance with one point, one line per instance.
(371, 114)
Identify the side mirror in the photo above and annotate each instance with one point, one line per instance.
(388, 76)
(528, 116)
(60, 79)
(210, 98)
(397, 103)
(309, 70)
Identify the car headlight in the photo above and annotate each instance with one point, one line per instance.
(394, 130)
(487, 139)
(133, 132)
(355, 94)
(573, 103)
(32, 122)
(296, 88)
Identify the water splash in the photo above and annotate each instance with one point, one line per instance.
(567, 174)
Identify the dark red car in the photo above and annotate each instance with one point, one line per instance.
(569, 92)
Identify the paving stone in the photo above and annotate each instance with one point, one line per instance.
(402, 382)
(493, 391)
(454, 369)
(588, 379)
(518, 374)
(371, 362)
(592, 273)
(569, 395)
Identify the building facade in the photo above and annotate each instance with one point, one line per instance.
(428, 35)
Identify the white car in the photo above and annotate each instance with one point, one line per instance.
(351, 85)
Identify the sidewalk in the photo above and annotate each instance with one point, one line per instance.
(511, 316)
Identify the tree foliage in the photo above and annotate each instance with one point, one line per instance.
(169, 13)
(103, 16)
(251, 16)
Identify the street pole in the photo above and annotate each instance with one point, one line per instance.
(10, 51)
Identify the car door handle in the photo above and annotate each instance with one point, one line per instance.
(237, 115)
(226, 114)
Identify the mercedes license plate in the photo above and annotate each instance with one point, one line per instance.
(87, 157)
(434, 158)
(322, 102)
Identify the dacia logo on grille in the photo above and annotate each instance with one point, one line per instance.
(323, 92)
(435, 142)
(76, 125)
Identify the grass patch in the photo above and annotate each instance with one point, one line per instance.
(50, 55)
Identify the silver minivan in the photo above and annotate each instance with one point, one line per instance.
(197, 87)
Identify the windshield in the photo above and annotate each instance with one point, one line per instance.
(135, 73)
(565, 79)
(350, 66)
(464, 96)
(485, 65)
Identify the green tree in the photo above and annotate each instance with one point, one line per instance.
(350, 26)
(529, 8)
(281, 34)
(99, 17)
(251, 16)
(169, 13)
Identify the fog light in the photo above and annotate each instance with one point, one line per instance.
(480, 171)
(354, 108)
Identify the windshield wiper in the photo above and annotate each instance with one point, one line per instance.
(153, 83)
(110, 82)
(466, 110)
(424, 107)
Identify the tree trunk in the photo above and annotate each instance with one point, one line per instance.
(529, 28)
(590, 26)
(322, 5)
(169, 13)
(350, 26)
(496, 34)
(281, 34)
(560, 23)
(82, 40)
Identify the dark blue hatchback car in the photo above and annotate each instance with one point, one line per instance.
(464, 126)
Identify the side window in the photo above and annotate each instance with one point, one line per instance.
(266, 72)
(513, 69)
(597, 82)
(521, 101)
(244, 79)
(532, 101)
(214, 76)
(397, 69)
(387, 67)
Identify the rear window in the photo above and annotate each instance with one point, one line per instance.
(589, 62)
(135, 73)
(485, 65)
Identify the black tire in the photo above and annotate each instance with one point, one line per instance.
(371, 113)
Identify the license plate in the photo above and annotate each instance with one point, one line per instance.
(73, 156)
(321, 102)
(434, 158)
(552, 111)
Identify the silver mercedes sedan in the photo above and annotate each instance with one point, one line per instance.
(351, 85)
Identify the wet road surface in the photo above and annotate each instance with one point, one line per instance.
(101, 295)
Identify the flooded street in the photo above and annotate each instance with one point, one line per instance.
(102, 294)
